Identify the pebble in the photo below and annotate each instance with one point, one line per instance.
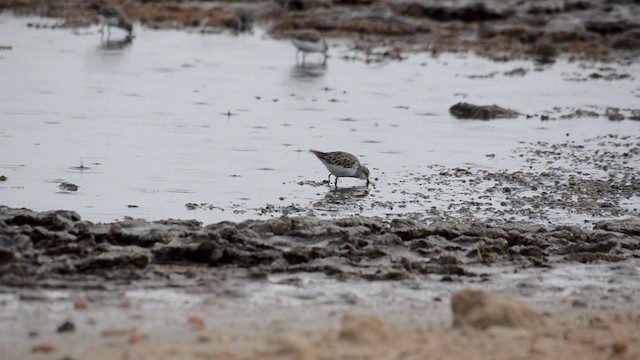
(619, 347)
(81, 304)
(43, 348)
(66, 326)
(196, 321)
(136, 338)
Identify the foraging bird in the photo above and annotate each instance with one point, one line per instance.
(111, 16)
(342, 164)
(308, 41)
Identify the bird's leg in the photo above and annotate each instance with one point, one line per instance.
(101, 31)
(336, 182)
(329, 178)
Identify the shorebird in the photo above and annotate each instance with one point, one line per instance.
(308, 41)
(111, 16)
(342, 164)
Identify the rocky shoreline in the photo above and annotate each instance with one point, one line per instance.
(57, 249)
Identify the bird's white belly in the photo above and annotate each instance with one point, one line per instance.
(340, 171)
(112, 21)
(307, 46)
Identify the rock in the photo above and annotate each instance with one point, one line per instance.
(453, 11)
(80, 304)
(45, 248)
(629, 40)
(121, 259)
(136, 338)
(607, 27)
(196, 322)
(67, 186)
(603, 247)
(43, 348)
(589, 257)
(6, 256)
(629, 226)
(483, 309)
(481, 112)
(577, 303)
(52, 220)
(544, 53)
(293, 347)
(381, 25)
(143, 233)
(366, 330)
(66, 326)
(117, 332)
(515, 72)
(613, 114)
(619, 348)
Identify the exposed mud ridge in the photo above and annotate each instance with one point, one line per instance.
(58, 249)
(502, 30)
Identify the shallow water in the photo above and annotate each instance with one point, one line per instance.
(175, 117)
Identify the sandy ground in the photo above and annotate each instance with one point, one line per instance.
(220, 331)
(305, 288)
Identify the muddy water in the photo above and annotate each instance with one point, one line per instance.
(224, 122)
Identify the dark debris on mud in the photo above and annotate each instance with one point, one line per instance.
(58, 249)
(384, 30)
(464, 110)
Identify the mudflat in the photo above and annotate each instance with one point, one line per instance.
(502, 221)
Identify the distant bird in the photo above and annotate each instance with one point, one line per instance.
(342, 164)
(308, 41)
(111, 16)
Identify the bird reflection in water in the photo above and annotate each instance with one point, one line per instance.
(308, 71)
(116, 44)
(344, 195)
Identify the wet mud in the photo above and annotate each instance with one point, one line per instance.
(570, 182)
(385, 30)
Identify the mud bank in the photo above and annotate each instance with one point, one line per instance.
(383, 30)
(57, 249)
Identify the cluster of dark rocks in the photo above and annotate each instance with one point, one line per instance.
(59, 249)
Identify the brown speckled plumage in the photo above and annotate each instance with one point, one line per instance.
(342, 164)
(308, 36)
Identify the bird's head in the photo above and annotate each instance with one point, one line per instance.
(363, 173)
(93, 4)
(129, 27)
